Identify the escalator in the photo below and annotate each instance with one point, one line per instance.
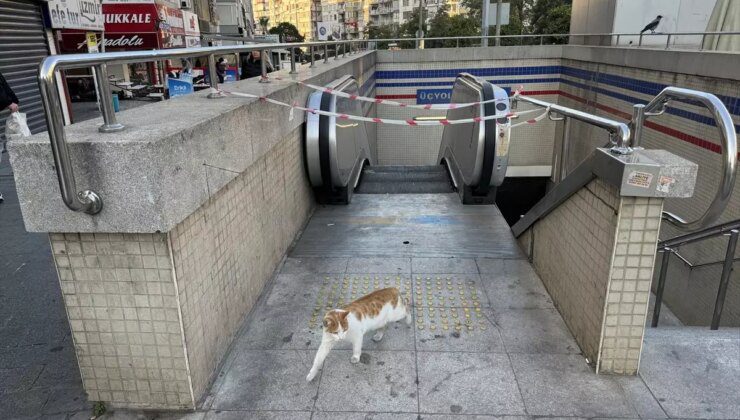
(472, 157)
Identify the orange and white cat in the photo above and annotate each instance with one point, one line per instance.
(372, 312)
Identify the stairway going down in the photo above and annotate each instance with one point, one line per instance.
(404, 180)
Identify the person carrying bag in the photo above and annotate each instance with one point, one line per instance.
(16, 124)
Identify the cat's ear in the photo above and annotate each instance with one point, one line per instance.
(343, 319)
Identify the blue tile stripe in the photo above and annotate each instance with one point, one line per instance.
(451, 82)
(626, 83)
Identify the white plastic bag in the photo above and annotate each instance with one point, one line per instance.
(16, 127)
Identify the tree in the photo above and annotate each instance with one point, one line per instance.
(264, 20)
(551, 17)
(287, 31)
(382, 32)
(444, 25)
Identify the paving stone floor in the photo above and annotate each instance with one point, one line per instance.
(509, 355)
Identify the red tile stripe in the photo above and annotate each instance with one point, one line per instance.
(696, 141)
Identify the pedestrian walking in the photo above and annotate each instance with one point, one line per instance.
(8, 100)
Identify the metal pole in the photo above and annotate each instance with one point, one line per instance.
(292, 61)
(498, 22)
(703, 38)
(311, 50)
(661, 286)
(638, 119)
(484, 25)
(725, 279)
(263, 62)
(420, 34)
(564, 149)
(617, 44)
(110, 124)
(668, 41)
(344, 50)
(542, 39)
(326, 53)
(639, 42)
(213, 76)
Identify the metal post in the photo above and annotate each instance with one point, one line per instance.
(292, 61)
(639, 42)
(311, 50)
(661, 286)
(617, 44)
(326, 53)
(213, 76)
(485, 24)
(638, 119)
(457, 42)
(668, 41)
(237, 61)
(344, 50)
(703, 38)
(542, 39)
(336, 51)
(564, 149)
(110, 124)
(263, 61)
(725, 279)
(498, 22)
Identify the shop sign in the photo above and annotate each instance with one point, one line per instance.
(171, 27)
(130, 18)
(76, 42)
(190, 20)
(76, 14)
(192, 41)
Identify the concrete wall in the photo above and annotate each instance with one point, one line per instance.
(608, 82)
(594, 254)
(202, 198)
(631, 16)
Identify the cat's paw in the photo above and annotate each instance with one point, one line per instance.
(354, 359)
(311, 375)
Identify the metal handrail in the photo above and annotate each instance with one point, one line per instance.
(619, 132)
(728, 136)
(89, 201)
(670, 246)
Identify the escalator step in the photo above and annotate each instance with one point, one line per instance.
(404, 180)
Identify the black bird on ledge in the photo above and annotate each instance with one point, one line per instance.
(652, 25)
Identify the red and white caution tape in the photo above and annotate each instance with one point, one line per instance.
(409, 122)
(353, 97)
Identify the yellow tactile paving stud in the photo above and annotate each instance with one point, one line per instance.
(339, 290)
(447, 291)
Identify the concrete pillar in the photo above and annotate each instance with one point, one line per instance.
(595, 255)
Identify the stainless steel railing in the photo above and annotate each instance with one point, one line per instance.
(670, 246)
(728, 138)
(89, 201)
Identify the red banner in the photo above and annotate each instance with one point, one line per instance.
(131, 27)
(130, 18)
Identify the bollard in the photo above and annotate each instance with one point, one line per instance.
(292, 61)
(110, 124)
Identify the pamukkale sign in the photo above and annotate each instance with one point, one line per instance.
(76, 14)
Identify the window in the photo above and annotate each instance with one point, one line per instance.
(406, 3)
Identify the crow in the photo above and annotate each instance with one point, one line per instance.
(652, 25)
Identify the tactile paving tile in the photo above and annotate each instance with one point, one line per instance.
(448, 291)
(339, 290)
(450, 319)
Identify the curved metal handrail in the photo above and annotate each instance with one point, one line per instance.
(729, 148)
(616, 129)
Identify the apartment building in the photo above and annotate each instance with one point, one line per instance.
(297, 12)
(396, 12)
